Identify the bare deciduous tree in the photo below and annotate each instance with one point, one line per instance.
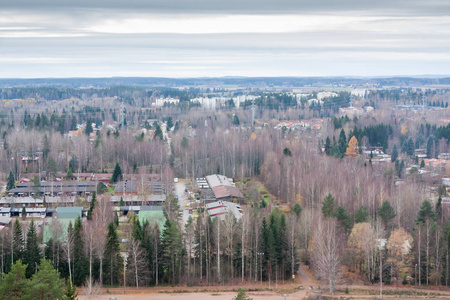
(326, 254)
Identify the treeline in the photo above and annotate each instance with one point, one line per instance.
(262, 245)
(51, 93)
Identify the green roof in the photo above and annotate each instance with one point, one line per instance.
(69, 212)
(153, 217)
(64, 225)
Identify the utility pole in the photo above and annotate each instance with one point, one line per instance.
(423, 102)
(122, 112)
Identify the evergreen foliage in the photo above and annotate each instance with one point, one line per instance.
(92, 205)
(18, 242)
(32, 255)
(394, 154)
(386, 212)
(117, 174)
(361, 215)
(112, 264)
(79, 259)
(11, 181)
(328, 206)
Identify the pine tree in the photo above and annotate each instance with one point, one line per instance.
(422, 164)
(32, 255)
(343, 218)
(11, 181)
(361, 215)
(15, 285)
(386, 212)
(46, 283)
(18, 242)
(328, 206)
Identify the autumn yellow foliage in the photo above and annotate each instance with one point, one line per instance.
(352, 149)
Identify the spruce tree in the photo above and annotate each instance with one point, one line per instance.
(18, 242)
(11, 181)
(112, 262)
(91, 206)
(327, 146)
(426, 212)
(71, 291)
(264, 247)
(394, 154)
(328, 206)
(79, 260)
(117, 174)
(158, 132)
(32, 255)
(342, 143)
(297, 209)
(172, 248)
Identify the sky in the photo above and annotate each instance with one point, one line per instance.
(214, 38)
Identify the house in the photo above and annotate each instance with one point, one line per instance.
(31, 212)
(133, 200)
(53, 188)
(126, 187)
(224, 189)
(5, 212)
(5, 220)
(222, 208)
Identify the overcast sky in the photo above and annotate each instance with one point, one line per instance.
(197, 38)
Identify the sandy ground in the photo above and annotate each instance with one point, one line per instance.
(289, 289)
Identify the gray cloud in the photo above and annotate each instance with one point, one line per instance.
(378, 7)
(116, 38)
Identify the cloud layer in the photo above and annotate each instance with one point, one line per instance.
(221, 38)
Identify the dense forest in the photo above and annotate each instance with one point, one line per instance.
(327, 206)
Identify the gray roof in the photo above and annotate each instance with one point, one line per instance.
(5, 220)
(217, 180)
(4, 210)
(124, 187)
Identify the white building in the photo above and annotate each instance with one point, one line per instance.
(161, 101)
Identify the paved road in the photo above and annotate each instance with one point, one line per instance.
(180, 186)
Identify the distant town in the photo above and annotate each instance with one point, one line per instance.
(313, 185)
